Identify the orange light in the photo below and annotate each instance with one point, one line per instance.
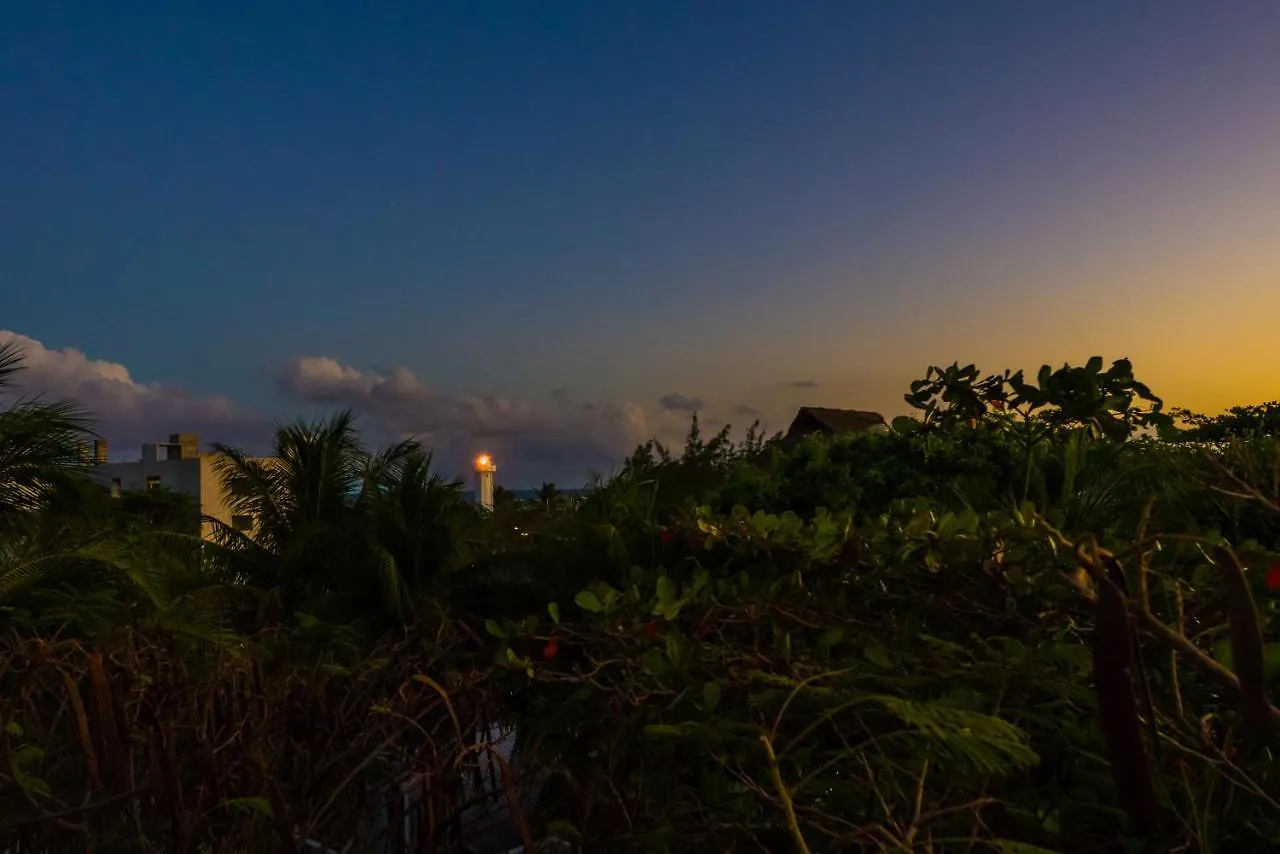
(484, 461)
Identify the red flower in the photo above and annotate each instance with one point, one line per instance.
(550, 650)
(651, 631)
(666, 537)
(1273, 577)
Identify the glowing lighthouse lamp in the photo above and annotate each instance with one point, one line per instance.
(484, 480)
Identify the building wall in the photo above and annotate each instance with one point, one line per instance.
(213, 499)
(196, 477)
(179, 475)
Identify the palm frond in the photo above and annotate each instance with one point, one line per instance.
(988, 743)
(26, 568)
(41, 449)
(12, 362)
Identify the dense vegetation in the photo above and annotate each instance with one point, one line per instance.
(1038, 616)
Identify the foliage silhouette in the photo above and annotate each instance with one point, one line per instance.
(1036, 618)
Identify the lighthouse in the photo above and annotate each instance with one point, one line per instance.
(484, 480)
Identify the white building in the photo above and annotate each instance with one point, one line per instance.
(179, 466)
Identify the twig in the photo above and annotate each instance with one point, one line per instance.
(775, 774)
(1173, 655)
(918, 802)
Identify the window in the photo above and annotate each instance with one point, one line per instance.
(153, 482)
(242, 523)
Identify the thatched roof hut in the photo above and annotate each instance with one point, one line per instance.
(817, 419)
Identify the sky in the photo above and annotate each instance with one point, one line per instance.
(552, 230)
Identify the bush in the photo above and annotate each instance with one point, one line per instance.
(1036, 618)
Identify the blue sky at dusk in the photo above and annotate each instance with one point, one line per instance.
(522, 227)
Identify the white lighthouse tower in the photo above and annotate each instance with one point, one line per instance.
(484, 480)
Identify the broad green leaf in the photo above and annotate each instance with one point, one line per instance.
(711, 696)
(764, 523)
(554, 610)
(494, 628)
(610, 596)
(666, 590)
(679, 652)
(830, 638)
(700, 579)
(32, 784)
(261, 806)
(653, 662)
(587, 601)
(25, 755)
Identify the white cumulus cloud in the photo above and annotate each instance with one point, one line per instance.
(556, 436)
(552, 437)
(127, 411)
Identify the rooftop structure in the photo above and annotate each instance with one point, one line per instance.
(817, 419)
(177, 465)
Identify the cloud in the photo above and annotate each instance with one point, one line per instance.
(128, 412)
(676, 402)
(553, 437)
(803, 384)
(746, 411)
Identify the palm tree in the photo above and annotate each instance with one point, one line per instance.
(41, 444)
(548, 495)
(39, 457)
(421, 524)
(68, 556)
(339, 531)
(304, 543)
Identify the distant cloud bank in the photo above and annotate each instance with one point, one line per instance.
(547, 438)
(128, 412)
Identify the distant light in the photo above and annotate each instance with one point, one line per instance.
(484, 462)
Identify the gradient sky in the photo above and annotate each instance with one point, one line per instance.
(721, 200)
